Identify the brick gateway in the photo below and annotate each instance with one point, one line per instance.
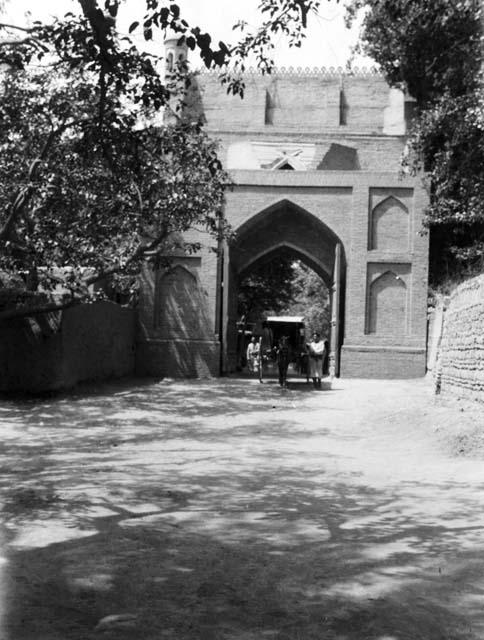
(314, 157)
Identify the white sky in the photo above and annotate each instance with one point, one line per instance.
(328, 42)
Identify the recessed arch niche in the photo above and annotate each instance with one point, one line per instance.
(389, 226)
(180, 303)
(387, 304)
(169, 61)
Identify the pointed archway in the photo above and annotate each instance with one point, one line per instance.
(284, 226)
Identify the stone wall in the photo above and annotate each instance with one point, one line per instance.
(461, 362)
(54, 351)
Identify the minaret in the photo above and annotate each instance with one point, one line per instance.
(175, 53)
(176, 50)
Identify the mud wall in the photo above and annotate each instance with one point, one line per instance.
(460, 368)
(54, 351)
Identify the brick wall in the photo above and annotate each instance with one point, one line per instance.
(177, 334)
(382, 362)
(344, 136)
(461, 359)
(311, 211)
(315, 93)
(374, 153)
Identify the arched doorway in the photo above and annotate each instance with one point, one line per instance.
(284, 226)
(285, 289)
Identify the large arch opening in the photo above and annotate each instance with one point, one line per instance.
(284, 232)
(284, 292)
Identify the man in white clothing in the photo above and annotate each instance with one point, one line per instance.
(316, 350)
(253, 355)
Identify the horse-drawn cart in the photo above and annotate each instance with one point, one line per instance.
(283, 347)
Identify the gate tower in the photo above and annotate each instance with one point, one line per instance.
(314, 157)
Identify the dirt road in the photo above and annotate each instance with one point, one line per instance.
(230, 510)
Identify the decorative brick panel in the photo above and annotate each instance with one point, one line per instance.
(389, 226)
(387, 301)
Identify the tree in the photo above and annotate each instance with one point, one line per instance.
(280, 17)
(82, 201)
(267, 289)
(309, 298)
(85, 191)
(285, 286)
(433, 50)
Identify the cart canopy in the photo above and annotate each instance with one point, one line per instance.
(287, 319)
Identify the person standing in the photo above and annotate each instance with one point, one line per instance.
(252, 355)
(283, 357)
(316, 350)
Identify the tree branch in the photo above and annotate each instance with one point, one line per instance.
(139, 253)
(23, 312)
(4, 25)
(16, 43)
(101, 26)
(140, 197)
(30, 39)
(24, 194)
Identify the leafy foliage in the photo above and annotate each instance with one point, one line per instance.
(85, 191)
(287, 18)
(422, 45)
(433, 49)
(266, 289)
(310, 298)
(80, 199)
(288, 287)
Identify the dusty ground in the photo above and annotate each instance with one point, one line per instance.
(229, 510)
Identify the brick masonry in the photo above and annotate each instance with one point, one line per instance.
(176, 334)
(461, 359)
(343, 137)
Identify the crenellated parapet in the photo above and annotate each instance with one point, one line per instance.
(302, 100)
(322, 72)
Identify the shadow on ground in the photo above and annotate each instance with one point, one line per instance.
(227, 512)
